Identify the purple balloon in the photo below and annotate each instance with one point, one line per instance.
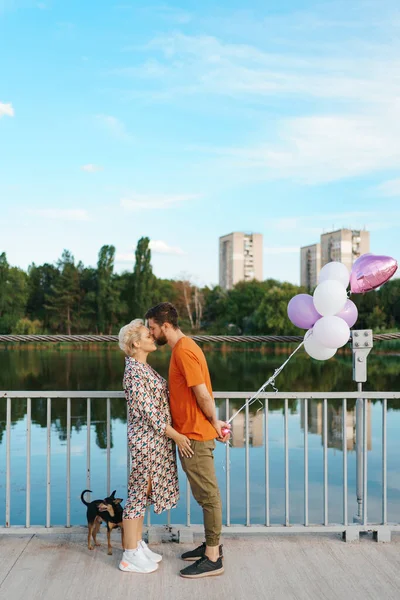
(302, 312)
(349, 313)
(370, 271)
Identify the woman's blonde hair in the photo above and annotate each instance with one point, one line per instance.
(128, 335)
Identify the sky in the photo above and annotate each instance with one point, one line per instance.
(186, 121)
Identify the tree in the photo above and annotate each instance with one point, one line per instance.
(377, 319)
(389, 301)
(64, 296)
(243, 300)
(142, 278)
(13, 295)
(40, 281)
(271, 316)
(107, 294)
(215, 315)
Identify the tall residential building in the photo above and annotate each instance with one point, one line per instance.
(240, 258)
(343, 245)
(310, 265)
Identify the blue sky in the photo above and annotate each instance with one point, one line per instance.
(190, 120)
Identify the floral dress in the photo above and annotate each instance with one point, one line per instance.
(153, 454)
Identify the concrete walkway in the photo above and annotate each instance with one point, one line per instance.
(308, 567)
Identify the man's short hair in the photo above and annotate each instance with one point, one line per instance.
(165, 312)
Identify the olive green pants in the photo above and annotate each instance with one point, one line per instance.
(200, 471)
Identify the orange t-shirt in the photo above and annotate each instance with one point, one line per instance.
(188, 367)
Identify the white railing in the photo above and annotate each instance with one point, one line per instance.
(382, 528)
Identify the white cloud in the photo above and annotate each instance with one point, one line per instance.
(90, 168)
(156, 246)
(113, 126)
(151, 202)
(6, 110)
(389, 188)
(61, 214)
(160, 247)
(356, 82)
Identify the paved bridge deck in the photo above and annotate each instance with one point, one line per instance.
(307, 567)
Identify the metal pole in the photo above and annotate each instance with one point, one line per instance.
(286, 436)
(362, 343)
(345, 477)
(359, 452)
(266, 442)
(228, 473)
(28, 462)
(247, 462)
(305, 462)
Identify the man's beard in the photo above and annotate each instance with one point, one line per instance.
(161, 341)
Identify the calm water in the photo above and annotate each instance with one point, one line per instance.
(102, 369)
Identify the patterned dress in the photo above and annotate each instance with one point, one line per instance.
(152, 452)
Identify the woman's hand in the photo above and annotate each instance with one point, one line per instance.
(184, 446)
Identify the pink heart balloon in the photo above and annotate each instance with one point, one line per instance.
(371, 271)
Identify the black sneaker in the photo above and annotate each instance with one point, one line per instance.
(198, 553)
(204, 567)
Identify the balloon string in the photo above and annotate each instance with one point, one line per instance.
(270, 381)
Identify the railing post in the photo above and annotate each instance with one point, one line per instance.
(362, 342)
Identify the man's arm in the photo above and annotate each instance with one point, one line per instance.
(207, 405)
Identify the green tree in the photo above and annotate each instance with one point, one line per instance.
(142, 278)
(389, 300)
(243, 301)
(366, 304)
(271, 316)
(107, 292)
(40, 281)
(63, 299)
(13, 295)
(215, 309)
(377, 319)
(27, 327)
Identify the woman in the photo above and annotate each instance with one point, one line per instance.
(154, 476)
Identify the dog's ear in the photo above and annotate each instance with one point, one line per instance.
(106, 508)
(113, 494)
(118, 500)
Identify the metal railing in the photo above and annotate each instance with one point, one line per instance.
(224, 403)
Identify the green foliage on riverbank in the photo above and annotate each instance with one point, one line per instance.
(68, 298)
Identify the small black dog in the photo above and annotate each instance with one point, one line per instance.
(108, 510)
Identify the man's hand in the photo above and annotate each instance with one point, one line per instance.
(218, 426)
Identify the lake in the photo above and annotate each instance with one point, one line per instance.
(101, 368)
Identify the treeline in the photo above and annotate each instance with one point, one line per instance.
(69, 298)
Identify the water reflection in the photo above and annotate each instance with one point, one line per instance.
(335, 423)
(62, 368)
(238, 427)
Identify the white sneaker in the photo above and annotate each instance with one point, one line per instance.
(137, 562)
(153, 556)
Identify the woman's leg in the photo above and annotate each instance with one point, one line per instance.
(132, 532)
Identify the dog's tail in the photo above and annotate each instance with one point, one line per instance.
(83, 499)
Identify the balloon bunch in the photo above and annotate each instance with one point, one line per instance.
(329, 314)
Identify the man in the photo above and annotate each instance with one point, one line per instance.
(194, 415)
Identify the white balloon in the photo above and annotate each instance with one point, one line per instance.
(336, 271)
(330, 296)
(331, 332)
(315, 349)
